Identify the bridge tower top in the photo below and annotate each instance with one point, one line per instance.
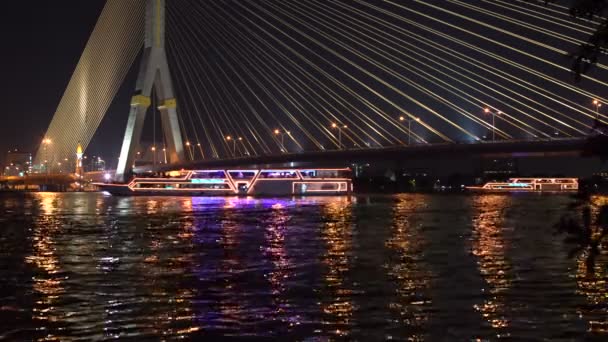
(155, 24)
(154, 79)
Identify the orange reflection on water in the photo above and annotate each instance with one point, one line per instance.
(337, 234)
(164, 241)
(593, 284)
(46, 283)
(152, 206)
(278, 276)
(188, 227)
(410, 272)
(488, 246)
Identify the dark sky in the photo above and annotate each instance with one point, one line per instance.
(42, 42)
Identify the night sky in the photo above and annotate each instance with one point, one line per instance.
(42, 41)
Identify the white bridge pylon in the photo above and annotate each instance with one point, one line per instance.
(154, 72)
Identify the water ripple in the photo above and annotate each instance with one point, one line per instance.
(409, 267)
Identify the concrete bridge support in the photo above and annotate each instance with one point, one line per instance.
(154, 72)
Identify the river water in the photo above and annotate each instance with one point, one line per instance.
(82, 266)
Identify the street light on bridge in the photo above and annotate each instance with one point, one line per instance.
(229, 138)
(597, 104)
(200, 149)
(409, 127)
(282, 135)
(245, 151)
(189, 146)
(488, 111)
(154, 154)
(339, 127)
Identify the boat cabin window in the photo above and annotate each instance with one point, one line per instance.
(206, 186)
(208, 175)
(157, 186)
(168, 186)
(311, 174)
(164, 175)
(521, 180)
(175, 174)
(242, 174)
(278, 174)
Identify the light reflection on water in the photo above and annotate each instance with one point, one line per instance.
(336, 233)
(489, 246)
(406, 267)
(593, 284)
(409, 270)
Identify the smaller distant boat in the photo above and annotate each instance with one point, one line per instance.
(529, 185)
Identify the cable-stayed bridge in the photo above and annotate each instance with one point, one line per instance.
(242, 79)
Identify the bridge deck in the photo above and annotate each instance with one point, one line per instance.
(519, 148)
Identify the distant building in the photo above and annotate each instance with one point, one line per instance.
(498, 169)
(95, 163)
(18, 163)
(602, 174)
(415, 172)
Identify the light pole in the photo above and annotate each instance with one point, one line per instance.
(597, 104)
(282, 135)
(229, 138)
(189, 146)
(200, 150)
(487, 110)
(339, 128)
(244, 152)
(409, 127)
(154, 154)
(165, 154)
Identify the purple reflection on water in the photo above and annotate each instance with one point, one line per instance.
(208, 203)
(234, 233)
(200, 204)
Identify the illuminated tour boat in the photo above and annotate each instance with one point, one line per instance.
(252, 182)
(529, 185)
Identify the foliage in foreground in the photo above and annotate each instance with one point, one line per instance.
(590, 52)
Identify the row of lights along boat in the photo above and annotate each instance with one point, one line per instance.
(254, 182)
(529, 185)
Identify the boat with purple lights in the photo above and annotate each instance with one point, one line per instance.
(245, 182)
